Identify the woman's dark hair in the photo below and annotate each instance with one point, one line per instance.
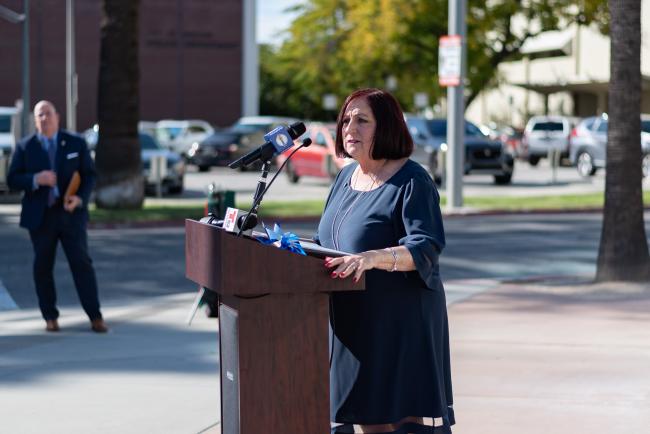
(392, 139)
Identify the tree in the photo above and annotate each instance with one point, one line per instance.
(623, 253)
(119, 167)
(335, 46)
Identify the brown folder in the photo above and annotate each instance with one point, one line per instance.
(73, 186)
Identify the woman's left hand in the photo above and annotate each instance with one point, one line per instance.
(346, 266)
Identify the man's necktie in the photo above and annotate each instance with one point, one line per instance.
(51, 151)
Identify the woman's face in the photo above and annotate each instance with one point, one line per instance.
(358, 129)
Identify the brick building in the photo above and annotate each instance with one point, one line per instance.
(191, 57)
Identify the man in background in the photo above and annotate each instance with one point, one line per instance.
(43, 166)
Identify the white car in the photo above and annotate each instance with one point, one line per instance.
(180, 135)
(7, 142)
(546, 133)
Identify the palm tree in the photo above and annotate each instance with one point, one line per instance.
(623, 253)
(119, 166)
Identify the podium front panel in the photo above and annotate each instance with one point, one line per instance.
(229, 353)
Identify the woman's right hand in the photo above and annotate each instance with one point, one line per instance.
(352, 265)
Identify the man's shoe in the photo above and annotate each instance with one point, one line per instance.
(51, 325)
(98, 326)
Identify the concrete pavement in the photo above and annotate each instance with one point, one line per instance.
(150, 373)
(527, 357)
(561, 358)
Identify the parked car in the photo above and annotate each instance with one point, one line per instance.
(147, 127)
(426, 146)
(588, 145)
(511, 138)
(645, 144)
(7, 138)
(225, 146)
(482, 155)
(7, 142)
(317, 160)
(173, 182)
(546, 133)
(179, 135)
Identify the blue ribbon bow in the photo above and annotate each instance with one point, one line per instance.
(286, 241)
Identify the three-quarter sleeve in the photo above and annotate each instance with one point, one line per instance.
(424, 233)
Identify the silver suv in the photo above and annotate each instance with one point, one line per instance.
(588, 145)
(546, 133)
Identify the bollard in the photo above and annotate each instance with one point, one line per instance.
(554, 161)
(157, 172)
(4, 168)
(442, 166)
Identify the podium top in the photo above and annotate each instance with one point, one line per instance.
(231, 265)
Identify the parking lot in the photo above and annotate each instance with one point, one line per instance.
(527, 181)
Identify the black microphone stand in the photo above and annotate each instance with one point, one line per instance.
(259, 192)
(262, 188)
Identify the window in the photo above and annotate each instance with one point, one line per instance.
(167, 133)
(548, 126)
(473, 130)
(320, 139)
(5, 124)
(602, 127)
(147, 142)
(645, 126)
(438, 128)
(589, 123)
(194, 129)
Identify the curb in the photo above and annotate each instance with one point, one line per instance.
(314, 219)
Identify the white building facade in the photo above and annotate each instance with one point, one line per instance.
(562, 73)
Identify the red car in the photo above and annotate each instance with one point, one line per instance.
(319, 159)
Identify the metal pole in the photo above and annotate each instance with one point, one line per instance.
(250, 62)
(456, 112)
(24, 125)
(70, 73)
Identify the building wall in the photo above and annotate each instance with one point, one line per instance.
(190, 58)
(588, 62)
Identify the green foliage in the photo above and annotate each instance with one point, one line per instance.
(336, 46)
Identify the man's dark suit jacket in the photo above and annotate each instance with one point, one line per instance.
(30, 158)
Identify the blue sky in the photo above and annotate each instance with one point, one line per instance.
(271, 18)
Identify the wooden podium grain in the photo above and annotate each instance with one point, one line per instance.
(273, 327)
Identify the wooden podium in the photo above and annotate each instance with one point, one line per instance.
(273, 329)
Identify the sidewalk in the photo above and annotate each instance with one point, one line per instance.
(527, 358)
(150, 374)
(561, 359)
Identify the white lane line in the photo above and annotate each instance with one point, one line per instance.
(6, 302)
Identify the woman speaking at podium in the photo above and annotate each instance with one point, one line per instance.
(389, 367)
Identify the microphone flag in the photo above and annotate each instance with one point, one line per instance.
(280, 139)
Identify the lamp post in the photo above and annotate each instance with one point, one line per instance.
(16, 18)
(456, 111)
(70, 69)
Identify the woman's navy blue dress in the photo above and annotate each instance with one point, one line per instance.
(389, 343)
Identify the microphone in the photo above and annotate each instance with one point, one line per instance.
(252, 213)
(236, 220)
(277, 141)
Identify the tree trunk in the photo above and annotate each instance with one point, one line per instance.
(120, 182)
(623, 253)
